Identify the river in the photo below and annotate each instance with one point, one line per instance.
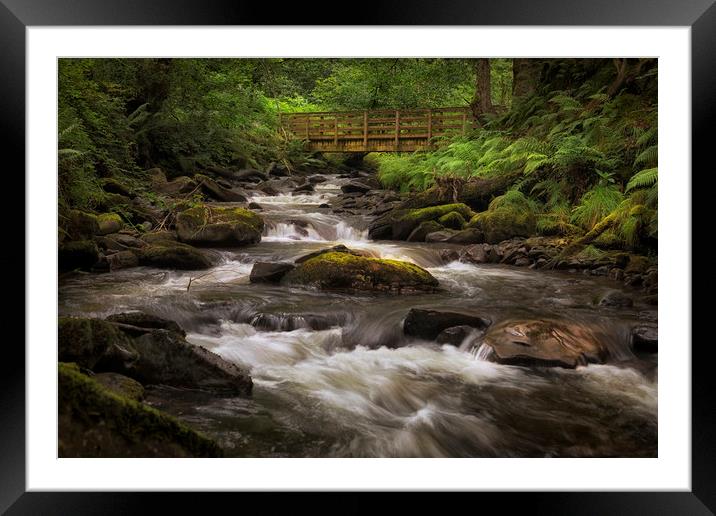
(335, 377)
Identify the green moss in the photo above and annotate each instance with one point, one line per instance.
(555, 225)
(109, 223)
(435, 212)
(452, 220)
(95, 422)
(347, 271)
(203, 214)
(590, 253)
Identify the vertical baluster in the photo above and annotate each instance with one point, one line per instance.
(365, 130)
(335, 131)
(430, 125)
(397, 129)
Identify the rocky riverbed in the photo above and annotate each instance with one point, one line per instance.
(313, 313)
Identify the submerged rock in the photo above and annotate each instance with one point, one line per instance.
(263, 272)
(345, 271)
(544, 343)
(219, 226)
(94, 421)
(428, 324)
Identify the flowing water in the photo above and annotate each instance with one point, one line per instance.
(335, 376)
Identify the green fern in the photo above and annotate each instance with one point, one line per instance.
(643, 179)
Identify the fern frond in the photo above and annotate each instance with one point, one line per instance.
(643, 179)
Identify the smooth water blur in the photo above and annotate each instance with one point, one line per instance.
(334, 375)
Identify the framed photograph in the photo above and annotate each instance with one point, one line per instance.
(416, 252)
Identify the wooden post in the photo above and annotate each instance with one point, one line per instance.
(365, 130)
(335, 131)
(430, 125)
(308, 136)
(397, 129)
(464, 121)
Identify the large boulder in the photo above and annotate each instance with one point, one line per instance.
(345, 271)
(166, 358)
(80, 254)
(544, 343)
(94, 421)
(510, 215)
(428, 324)
(399, 224)
(95, 344)
(174, 255)
(263, 272)
(205, 225)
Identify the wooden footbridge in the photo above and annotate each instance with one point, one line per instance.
(399, 130)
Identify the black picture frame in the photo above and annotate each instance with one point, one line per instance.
(17, 15)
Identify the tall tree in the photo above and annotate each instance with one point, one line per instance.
(482, 100)
(525, 76)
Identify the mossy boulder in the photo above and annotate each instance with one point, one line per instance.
(399, 224)
(95, 344)
(79, 225)
(80, 254)
(452, 220)
(174, 255)
(344, 271)
(109, 223)
(508, 216)
(219, 226)
(96, 422)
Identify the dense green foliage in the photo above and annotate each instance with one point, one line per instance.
(581, 154)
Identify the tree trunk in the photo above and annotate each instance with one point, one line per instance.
(525, 76)
(482, 100)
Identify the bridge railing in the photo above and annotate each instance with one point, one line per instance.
(377, 130)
